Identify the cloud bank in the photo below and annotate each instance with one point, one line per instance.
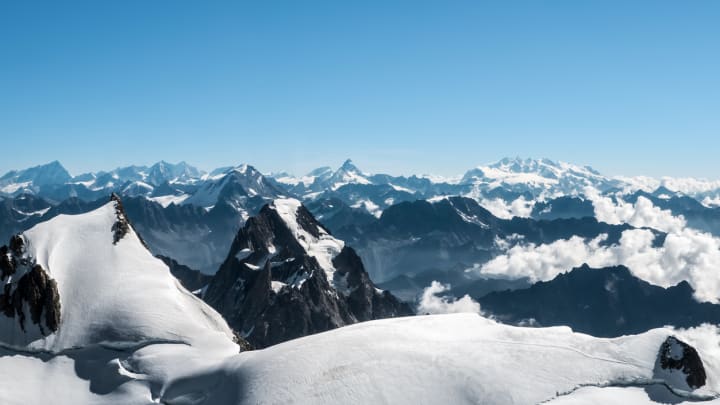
(686, 254)
(642, 214)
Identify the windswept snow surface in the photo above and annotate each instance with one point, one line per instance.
(453, 359)
(111, 292)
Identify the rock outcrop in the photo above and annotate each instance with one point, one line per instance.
(29, 295)
(680, 363)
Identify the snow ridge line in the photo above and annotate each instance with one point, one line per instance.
(639, 383)
(572, 349)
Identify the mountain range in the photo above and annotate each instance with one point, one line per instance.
(101, 305)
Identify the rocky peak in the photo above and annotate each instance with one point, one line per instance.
(286, 276)
(349, 166)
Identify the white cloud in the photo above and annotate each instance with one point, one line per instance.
(642, 214)
(520, 207)
(432, 303)
(689, 186)
(711, 202)
(542, 262)
(685, 255)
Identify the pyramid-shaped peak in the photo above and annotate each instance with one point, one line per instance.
(348, 165)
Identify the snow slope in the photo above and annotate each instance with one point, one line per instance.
(454, 359)
(111, 292)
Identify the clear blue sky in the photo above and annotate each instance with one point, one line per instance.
(629, 87)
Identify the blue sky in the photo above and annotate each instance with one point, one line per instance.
(400, 86)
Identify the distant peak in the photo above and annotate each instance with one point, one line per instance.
(55, 164)
(348, 165)
(244, 169)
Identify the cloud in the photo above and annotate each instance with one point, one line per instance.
(520, 207)
(690, 186)
(432, 303)
(687, 255)
(642, 214)
(711, 202)
(687, 185)
(542, 262)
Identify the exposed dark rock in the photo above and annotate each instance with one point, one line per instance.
(245, 346)
(16, 245)
(191, 279)
(7, 266)
(34, 292)
(677, 355)
(271, 290)
(365, 301)
(121, 226)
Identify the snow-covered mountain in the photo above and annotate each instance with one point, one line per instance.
(324, 178)
(82, 280)
(30, 180)
(242, 188)
(351, 202)
(155, 175)
(537, 177)
(286, 276)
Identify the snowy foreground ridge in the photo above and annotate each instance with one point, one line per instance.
(130, 334)
(454, 359)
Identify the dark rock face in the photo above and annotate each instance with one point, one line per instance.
(677, 355)
(191, 279)
(270, 289)
(604, 302)
(121, 227)
(34, 293)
